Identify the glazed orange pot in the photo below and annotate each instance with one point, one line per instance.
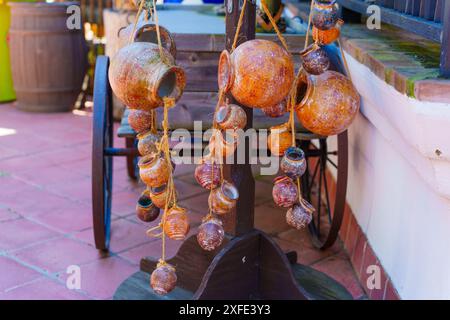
(207, 173)
(140, 120)
(230, 116)
(259, 73)
(279, 139)
(324, 37)
(176, 225)
(223, 199)
(148, 142)
(154, 170)
(328, 103)
(141, 79)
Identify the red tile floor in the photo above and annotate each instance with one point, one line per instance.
(46, 222)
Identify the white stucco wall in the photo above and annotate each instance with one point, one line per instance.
(399, 186)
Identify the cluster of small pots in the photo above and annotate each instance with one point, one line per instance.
(285, 191)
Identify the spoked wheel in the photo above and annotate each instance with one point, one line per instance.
(102, 165)
(325, 165)
(132, 160)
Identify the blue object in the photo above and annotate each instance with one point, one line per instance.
(213, 1)
(173, 1)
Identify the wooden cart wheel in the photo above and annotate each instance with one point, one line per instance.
(132, 160)
(327, 198)
(102, 165)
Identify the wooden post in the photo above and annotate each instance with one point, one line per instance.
(445, 45)
(240, 220)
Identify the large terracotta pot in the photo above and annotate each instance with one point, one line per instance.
(259, 73)
(140, 78)
(329, 103)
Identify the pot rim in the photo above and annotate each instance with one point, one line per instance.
(294, 150)
(225, 62)
(158, 190)
(165, 35)
(230, 188)
(148, 160)
(145, 196)
(180, 83)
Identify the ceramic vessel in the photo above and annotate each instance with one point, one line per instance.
(176, 225)
(324, 14)
(145, 208)
(277, 110)
(140, 78)
(324, 37)
(299, 216)
(153, 170)
(328, 103)
(259, 73)
(207, 173)
(146, 32)
(230, 117)
(158, 195)
(314, 59)
(148, 143)
(223, 199)
(284, 192)
(293, 162)
(279, 139)
(210, 234)
(140, 120)
(163, 279)
(222, 144)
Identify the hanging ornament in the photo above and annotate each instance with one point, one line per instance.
(230, 117)
(315, 60)
(324, 37)
(284, 192)
(324, 14)
(300, 215)
(207, 173)
(154, 170)
(159, 196)
(277, 110)
(145, 208)
(140, 120)
(293, 163)
(329, 104)
(148, 142)
(279, 139)
(163, 278)
(258, 73)
(210, 234)
(176, 223)
(223, 199)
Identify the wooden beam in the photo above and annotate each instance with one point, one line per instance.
(445, 46)
(240, 220)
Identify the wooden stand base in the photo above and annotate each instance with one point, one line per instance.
(248, 267)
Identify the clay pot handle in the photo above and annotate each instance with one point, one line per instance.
(147, 33)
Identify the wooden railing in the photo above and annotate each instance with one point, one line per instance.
(427, 18)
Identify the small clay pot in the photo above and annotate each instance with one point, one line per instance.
(300, 215)
(327, 103)
(140, 120)
(176, 224)
(148, 143)
(230, 116)
(140, 78)
(324, 37)
(324, 14)
(221, 146)
(153, 170)
(293, 162)
(277, 110)
(207, 173)
(279, 139)
(163, 279)
(145, 208)
(210, 234)
(314, 59)
(284, 192)
(259, 73)
(223, 199)
(158, 195)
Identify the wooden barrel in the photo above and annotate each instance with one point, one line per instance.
(48, 60)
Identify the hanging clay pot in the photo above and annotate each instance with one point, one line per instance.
(223, 199)
(284, 192)
(154, 170)
(327, 103)
(140, 120)
(314, 59)
(277, 110)
(206, 172)
(279, 139)
(324, 14)
(140, 78)
(210, 234)
(146, 32)
(230, 116)
(222, 144)
(163, 279)
(159, 196)
(300, 215)
(176, 225)
(145, 208)
(148, 142)
(293, 162)
(259, 73)
(324, 37)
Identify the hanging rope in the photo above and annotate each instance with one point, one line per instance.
(309, 24)
(274, 25)
(136, 19)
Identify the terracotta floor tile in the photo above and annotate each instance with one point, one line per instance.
(20, 233)
(126, 234)
(14, 274)
(56, 255)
